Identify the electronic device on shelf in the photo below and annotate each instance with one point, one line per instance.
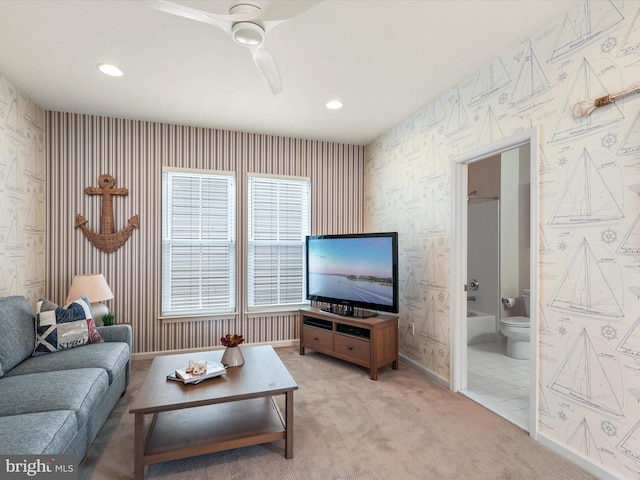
(312, 322)
(353, 271)
(351, 330)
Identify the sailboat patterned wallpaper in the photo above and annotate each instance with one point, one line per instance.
(22, 192)
(589, 219)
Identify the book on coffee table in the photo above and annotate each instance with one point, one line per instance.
(214, 369)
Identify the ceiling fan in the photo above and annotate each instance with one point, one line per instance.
(248, 23)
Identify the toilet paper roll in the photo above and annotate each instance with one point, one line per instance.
(509, 302)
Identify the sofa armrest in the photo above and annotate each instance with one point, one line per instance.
(116, 333)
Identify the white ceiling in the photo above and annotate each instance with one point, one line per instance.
(384, 59)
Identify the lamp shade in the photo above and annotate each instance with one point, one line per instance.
(94, 286)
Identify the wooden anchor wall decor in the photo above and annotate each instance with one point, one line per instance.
(108, 240)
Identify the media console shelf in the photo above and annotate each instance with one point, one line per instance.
(369, 342)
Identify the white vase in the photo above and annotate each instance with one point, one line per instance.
(232, 357)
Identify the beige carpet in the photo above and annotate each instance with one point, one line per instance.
(404, 426)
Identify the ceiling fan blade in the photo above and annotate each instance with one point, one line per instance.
(268, 68)
(269, 13)
(284, 9)
(190, 13)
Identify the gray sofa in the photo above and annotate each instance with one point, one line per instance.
(55, 404)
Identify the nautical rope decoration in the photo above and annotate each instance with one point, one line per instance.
(108, 240)
(586, 107)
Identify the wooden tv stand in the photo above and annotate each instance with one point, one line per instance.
(370, 342)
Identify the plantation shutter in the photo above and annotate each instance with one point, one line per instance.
(279, 221)
(198, 243)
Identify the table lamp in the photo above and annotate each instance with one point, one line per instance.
(95, 287)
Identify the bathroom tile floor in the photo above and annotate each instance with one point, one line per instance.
(498, 382)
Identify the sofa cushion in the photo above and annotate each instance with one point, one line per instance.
(110, 356)
(17, 335)
(37, 433)
(78, 390)
(60, 328)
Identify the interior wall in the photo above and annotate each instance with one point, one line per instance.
(82, 147)
(483, 257)
(22, 194)
(483, 234)
(513, 278)
(588, 203)
(524, 227)
(483, 177)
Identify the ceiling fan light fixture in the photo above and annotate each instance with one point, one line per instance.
(247, 34)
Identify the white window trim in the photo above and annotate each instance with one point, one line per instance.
(271, 310)
(203, 171)
(168, 317)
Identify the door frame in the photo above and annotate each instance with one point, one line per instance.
(458, 304)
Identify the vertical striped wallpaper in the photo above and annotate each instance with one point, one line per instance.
(82, 147)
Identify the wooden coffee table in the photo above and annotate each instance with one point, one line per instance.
(234, 410)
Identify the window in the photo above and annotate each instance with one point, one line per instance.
(198, 243)
(279, 221)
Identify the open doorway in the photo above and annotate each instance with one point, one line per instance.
(494, 270)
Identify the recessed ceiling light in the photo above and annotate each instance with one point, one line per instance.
(334, 105)
(110, 70)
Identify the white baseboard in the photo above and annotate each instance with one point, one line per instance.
(423, 370)
(150, 355)
(597, 470)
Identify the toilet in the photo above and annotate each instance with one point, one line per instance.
(517, 330)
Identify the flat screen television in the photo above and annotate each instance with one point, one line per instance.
(353, 271)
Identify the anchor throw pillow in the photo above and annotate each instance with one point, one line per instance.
(60, 328)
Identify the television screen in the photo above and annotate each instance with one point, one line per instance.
(355, 270)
